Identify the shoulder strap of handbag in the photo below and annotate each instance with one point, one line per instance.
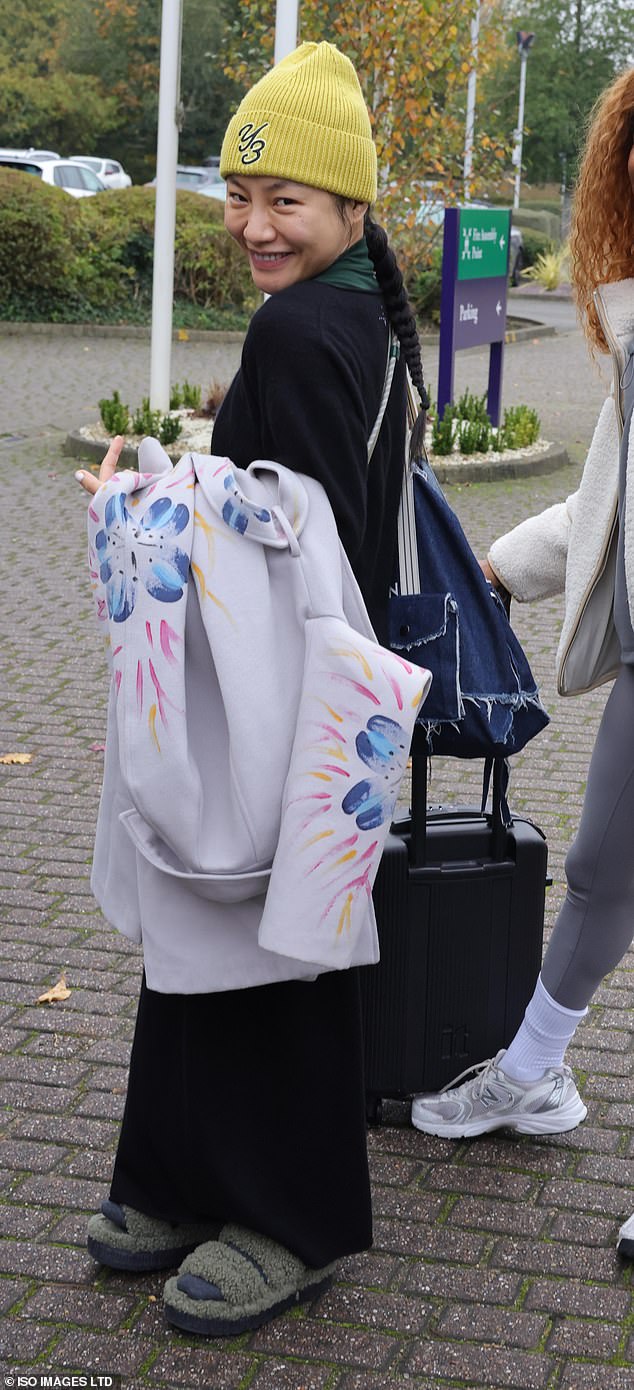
(393, 354)
(409, 573)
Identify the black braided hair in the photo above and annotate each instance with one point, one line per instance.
(399, 311)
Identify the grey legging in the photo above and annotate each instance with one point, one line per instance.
(596, 923)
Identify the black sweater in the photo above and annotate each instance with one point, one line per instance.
(307, 395)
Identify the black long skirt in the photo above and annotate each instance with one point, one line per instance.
(248, 1106)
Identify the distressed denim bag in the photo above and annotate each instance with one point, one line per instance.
(483, 702)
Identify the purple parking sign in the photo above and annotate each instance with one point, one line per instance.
(479, 312)
(473, 296)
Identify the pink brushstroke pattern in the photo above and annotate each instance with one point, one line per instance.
(394, 686)
(329, 729)
(167, 636)
(148, 633)
(139, 687)
(356, 685)
(162, 697)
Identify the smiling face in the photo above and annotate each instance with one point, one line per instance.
(290, 232)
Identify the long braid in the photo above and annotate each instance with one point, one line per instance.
(401, 318)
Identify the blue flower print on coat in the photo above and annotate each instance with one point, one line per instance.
(132, 551)
(237, 510)
(383, 747)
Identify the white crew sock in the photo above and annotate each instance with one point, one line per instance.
(542, 1037)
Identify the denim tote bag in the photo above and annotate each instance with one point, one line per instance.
(443, 612)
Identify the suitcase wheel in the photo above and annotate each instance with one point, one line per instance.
(373, 1110)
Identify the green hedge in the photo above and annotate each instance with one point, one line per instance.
(548, 223)
(90, 259)
(534, 244)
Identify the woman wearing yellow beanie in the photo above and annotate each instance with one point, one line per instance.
(245, 1116)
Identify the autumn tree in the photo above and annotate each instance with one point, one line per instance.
(578, 48)
(41, 102)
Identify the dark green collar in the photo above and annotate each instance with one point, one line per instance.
(352, 271)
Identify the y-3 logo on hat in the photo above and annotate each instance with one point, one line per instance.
(249, 145)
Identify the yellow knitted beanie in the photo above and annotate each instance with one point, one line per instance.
(306, 120)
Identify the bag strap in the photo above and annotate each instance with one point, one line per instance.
(408, 563)
(393, 354)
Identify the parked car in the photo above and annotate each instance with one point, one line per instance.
(110, 171)
(214, 186)
(76, 179)
(198, 178)
(32, 153)
(434, 212)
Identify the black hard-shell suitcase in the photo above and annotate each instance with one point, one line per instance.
(459, 901)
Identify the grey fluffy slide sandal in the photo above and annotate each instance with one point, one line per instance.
(237, 1283)
(123, 1238)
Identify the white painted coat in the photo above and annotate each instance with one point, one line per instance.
(257, 732)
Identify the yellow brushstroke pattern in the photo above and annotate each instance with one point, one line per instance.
(208, 531)
(206, 593)
(323, 835)
(152, 724)
(350, 651)
(344, 920)
(352, 854)
(323, 776)
(333, 713)
(417, 699)
(335, 752)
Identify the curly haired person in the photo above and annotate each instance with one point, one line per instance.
(583, 547)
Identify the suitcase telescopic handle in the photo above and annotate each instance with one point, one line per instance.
(418, 835)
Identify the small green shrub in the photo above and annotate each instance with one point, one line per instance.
(146, 421)
(169, 429)
(473, 436)
(192, 396)
(442, 432)
(115, 415)
(471, 407)
(176, 397)
(550, 268)
(521, 427)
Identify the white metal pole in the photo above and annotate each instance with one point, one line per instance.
(517, 153)
(471, 102)
(165, 215)
(286, 23)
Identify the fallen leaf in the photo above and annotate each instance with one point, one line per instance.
(57, 993)
(183, 335)
(151, 1298)
(97, 748)
(16, 758)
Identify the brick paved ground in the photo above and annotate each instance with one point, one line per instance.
(494, 1262)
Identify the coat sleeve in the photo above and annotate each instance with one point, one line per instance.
(531, 559)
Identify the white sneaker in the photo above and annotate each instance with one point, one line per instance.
(625, 1242)
(492, 1100)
